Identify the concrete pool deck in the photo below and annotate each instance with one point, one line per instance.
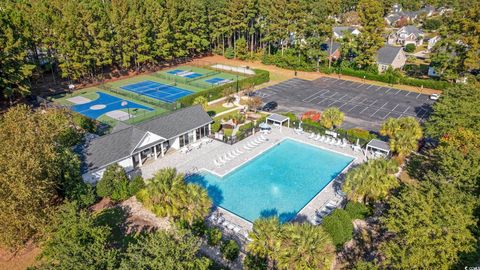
(203, 159)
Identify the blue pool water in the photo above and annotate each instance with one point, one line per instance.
(280, 182)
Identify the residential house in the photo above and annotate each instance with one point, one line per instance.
(332, 49)
(390, 56)
(132, 145)
(407, 35)
(398, 14)
(431, 42)
(339, 31)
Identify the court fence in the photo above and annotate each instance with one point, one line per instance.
(261, 76)
(167, 106)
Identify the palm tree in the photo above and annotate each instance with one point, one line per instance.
(332, 117)
(305, 246)
(403, 134)
(371, 181)
(167, 195)
(265, 238)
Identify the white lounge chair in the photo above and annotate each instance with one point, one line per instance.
(218, 164)
(246, 147)
(220, 220)
(312, 135)
(317, 138)
(344, 143)
(225, 157)
(236, 229)
(322, 139)
(231, 155)
(338, 142)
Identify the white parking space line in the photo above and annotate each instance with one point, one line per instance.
(406, 109)
(423, 113)
(360, 84)
(363, 109)
(352, 108)
(373, 103)
(395, 107)
(341, 82)
(311, 96)
(345, 103)
(370, 86)
(342, 97)
(371, 115)
(386, 115)
(388, 90)
(418, 95)
(398, 91)
(408, 93)
(378, 88)
(384, 105)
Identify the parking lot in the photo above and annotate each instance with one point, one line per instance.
(364, 105)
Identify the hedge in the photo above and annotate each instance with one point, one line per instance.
(261, 76)
(340, 227)
(357, 210)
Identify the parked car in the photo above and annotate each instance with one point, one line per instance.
(434, 96)
(270, 106)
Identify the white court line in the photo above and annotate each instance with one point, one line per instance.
(418, 95)
(398, 91)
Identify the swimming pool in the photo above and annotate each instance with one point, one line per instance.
(280, 181)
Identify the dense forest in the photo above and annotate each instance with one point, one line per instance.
(81, 40)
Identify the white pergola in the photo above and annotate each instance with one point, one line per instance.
(278, 119)
(379, 146)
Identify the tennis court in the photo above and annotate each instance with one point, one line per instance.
(165, 92)
(104, 104)
(218, 81)
(185, 73)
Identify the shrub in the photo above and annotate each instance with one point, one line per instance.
(230, 250)
(227, 132)
(216, 126)
(357, 210)
(339, 226)
(114, 183)
(253, 262)
(214, 236)
(136, 184)
(358, 133)
(410, 48)
(241, 50)
(432, 24)
(198, 227)
(312, 115)
(292, 116)
(229, 53)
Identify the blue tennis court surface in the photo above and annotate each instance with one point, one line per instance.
(188, 74)
(160, 91)
(175, 71)
(215, 80)
(105, 103)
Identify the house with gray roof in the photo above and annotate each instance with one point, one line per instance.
(409, 34)
(132, 145)
(339, 31)
(390, 56)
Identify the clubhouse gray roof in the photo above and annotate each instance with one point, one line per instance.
(123, 140)
(178, 122)
(378, 144)
(387, 54)
(111, 148)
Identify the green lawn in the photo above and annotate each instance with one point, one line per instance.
(217, 108)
